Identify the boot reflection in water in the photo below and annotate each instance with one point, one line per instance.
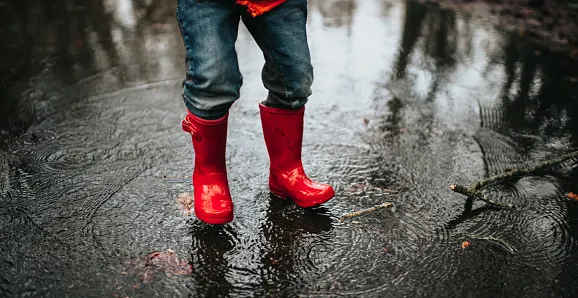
(213, 80)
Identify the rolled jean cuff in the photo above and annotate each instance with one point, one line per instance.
(284, 103)
(212, 114)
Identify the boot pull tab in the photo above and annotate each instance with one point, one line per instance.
(190, 128)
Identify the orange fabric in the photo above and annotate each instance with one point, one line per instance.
(259, 7)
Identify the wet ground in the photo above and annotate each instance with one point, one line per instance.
(95, 171)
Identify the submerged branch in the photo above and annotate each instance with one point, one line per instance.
(505, 245)
(474, 189)
(362, 212)
(476, 185)
(478, 194)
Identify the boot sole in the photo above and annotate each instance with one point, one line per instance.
(278, 192)
(215, 221)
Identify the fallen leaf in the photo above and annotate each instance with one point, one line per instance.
(77, 43)
(465, 244)
(274, 261)
(185, 201)
(572, 195)
(166, 262)
(528, 11)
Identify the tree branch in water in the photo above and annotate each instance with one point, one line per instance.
(476, 185)
(478, 194)
(474, 189)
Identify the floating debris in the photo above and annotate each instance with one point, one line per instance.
(572, 195)
(157, 261)
(185, 201)
(358, 213)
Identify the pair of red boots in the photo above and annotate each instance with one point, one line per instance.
(283, 132)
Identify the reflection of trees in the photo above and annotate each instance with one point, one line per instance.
(438, 32)
(441, 45)
(15, 48)
(537, 97)
(336, 12)
(430, 35)
(414, 16)
(91, 35)
(77, 39)
(535, 106)
(537, 101)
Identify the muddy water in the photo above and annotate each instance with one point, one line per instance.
(95, 171)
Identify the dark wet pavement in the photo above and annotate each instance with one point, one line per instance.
(95, 170)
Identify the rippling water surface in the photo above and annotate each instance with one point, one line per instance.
(408, 99)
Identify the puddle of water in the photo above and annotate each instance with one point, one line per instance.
(94, 170)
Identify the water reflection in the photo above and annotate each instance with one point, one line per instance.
(412, 26)
(80, 38)
(445, 71)
(286, 259)
(538, 94)
(15, 49)
(287, 236)
(438, 37)
(211, 244)
(336, 12)
(407, 96)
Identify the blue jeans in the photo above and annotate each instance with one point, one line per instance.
(209, 29)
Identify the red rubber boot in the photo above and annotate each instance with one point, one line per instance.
(212, 199)
(283, 132)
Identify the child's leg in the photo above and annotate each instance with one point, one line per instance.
(287, 75)
(209, 30)
(282, 37)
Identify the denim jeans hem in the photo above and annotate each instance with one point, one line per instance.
(213, 114)
(294, 104)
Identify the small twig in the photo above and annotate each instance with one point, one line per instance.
(478, 194)
(362, 212)
(495, 240)
(172, 177)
